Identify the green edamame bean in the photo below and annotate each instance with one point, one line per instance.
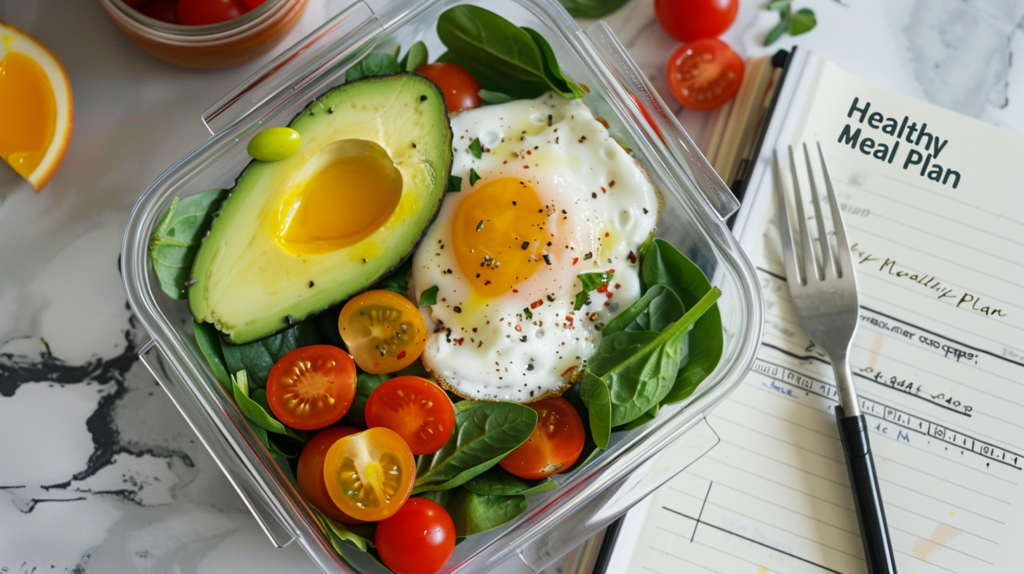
(274, 144)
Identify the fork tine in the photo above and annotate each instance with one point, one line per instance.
(810, 266)
(845, 262)
(826, 250)
(788, 253)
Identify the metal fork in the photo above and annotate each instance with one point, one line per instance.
(824, 295)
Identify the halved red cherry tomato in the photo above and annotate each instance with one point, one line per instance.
(205, 12)
(310, 472)
(312, 387)
(704, 74)
(418, 539)
(689, 20)
(383, 330)
(555, 444)
(163, 10)
(416, 409)
(370, 474)
(459, 87)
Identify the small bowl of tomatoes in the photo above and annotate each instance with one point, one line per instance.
(205, 34)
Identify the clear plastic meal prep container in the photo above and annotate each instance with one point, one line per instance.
(696, 206)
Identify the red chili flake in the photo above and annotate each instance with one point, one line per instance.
(569, 319)
(526, 167)
(632, 257)
(606, 234)
(609, 294)
(536, 303)
(603, 190)
(575, 260)
(500, 319)
(519, 329)
(603, 288)
(611, 272)
(515, 290)
(617, 285)
(456, 341)
(488, 282)
(606, 303)
(611, 183)
(504, 162)
(528, 152)
(443, 299)
(401, 355)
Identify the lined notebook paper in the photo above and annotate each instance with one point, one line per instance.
(934, 205)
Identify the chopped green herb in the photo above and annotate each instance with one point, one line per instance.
(581, 299)
(476, 149)
(454, 183)
(528, 313)
(473, 177)
(590, 281)
(428, 297)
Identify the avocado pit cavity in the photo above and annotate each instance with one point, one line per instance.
(344, 193)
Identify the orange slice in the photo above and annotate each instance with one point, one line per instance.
(35, 107)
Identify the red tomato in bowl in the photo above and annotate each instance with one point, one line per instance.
(312, 387)
(205, 12)
(555, 444)
(418, 539)
(689, 20)
(460, 88)
(704, 74)
(416, 409)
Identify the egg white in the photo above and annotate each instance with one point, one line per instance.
(600, 207)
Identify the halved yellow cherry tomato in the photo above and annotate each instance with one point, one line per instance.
(384, 332)
(369, 475)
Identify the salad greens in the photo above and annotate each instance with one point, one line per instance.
(591, 8)
(498, 481)
(258, 357)
(176, 239)
(484, 433)
(503, 57)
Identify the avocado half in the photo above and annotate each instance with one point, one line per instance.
(249, 284)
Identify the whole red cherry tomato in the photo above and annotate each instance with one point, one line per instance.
(418, 539)
(459, 87)
(704, 74)
(205, 12)
(689, 20)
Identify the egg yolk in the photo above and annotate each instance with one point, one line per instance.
(343, 194)
(28, 112)
(499, 236)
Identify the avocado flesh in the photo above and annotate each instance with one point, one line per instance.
(250, 282)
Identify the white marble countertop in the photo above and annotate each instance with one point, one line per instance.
(99, 472)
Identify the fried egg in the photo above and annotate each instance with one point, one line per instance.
(550, 196)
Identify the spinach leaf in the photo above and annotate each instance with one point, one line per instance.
(590, 281)
(415, 58)
(327, 322)
(365, 384)
(591, 8)
(501, 56)
(209, 344)
(655, 311)
(176, 239)
(454, 184)
(552, 71)
(664, 265)
(597, 396)
(572, 395)
(428, 297)
(640, 420)
(258, 357)
(500, 482)
(397, 281)
(491, 98)
(373, 64)
(341, 535)
(639, 367)
(484, 433)
(251, 409)
(474, 513)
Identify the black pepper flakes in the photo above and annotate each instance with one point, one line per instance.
(523, 338)
(330, 110)
(457, 309)
(310, 284)
(547, 259)
(526, 245)
(423, 98)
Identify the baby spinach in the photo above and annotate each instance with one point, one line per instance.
(638, 368)
(490, 98)
(663, 264)
(572, 395)
(591, 8)
(428, 297)
(484, 433)
(596, 395)
(373, 64)
(177, 237)
(640, 420)
(365, 384)
(258, 357)
(209, 344)
(590, 281)
(415, 58)
(499, 482)
(655, 311)
(251, 409)
(397, 281)
(501, 56)
(341, 535)
(474, 513)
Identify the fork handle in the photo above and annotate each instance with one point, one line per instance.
(867, 498)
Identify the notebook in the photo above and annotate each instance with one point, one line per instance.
(934, 207)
